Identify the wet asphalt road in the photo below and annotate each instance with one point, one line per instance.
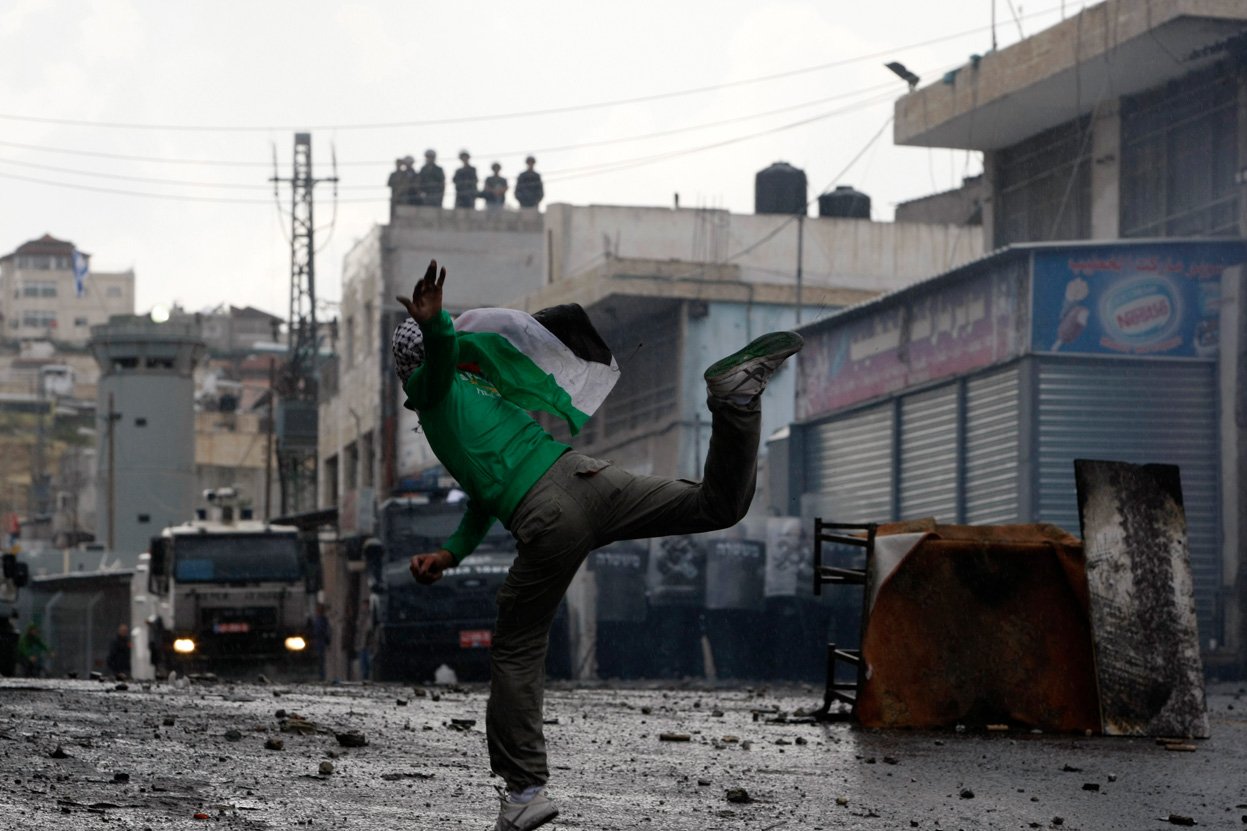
(155, 756)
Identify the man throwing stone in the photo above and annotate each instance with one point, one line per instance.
(559, 505)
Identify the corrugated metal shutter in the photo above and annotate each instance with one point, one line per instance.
(1142, 413)
(928, 459)
(849, 466)
(992, 452)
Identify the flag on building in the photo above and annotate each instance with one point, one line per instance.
(80, 272)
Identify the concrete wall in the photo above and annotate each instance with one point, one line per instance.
(231, 451)
(1106, 171)
(153, 464)
(491, 257)
(844, 253)
(356, 407)
(1106, 50)
(960, 206)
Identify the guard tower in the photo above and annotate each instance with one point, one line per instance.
(146, 427)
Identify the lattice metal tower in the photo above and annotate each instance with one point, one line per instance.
(296, 419)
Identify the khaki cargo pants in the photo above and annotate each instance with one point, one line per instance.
(581, 504)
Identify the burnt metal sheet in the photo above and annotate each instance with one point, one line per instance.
(977, 626)
(1139, 412)
(1142, 599)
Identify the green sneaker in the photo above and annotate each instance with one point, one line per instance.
(745, 373)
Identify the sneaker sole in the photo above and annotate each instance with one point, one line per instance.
(775, 346)
(540, 821)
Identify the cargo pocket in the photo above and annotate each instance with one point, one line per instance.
(587, 467)
(538, 522)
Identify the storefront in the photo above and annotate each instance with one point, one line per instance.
(967, 397)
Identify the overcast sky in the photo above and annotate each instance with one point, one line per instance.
(200, 95)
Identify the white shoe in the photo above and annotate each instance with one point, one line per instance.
(745, 373)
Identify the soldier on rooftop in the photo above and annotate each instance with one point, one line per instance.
(432, 180)
(528, 189)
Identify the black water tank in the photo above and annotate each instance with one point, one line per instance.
(844, 202)
(780, 189)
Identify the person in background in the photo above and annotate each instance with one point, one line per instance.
(118, 660)
(31, 651)
(528, 188)
(158, 643)
(465, 182)
(400, 182)
(495, 193)
(432, 181)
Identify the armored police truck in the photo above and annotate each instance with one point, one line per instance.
(418, 628)
(225, 592)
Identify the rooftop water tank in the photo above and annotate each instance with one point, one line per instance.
(844, 202)
(780, 189)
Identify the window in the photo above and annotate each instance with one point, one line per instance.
(352, 467)
(113, 291)
(38, 288)
(331, 480)
(38, 319)
(1043, 186)
(366, 461)
(80, 322)
(1179, 149)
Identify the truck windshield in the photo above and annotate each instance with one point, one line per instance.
(237, 558)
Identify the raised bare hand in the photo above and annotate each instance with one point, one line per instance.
(425, 302)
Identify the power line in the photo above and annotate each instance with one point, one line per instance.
(639, 99)
(118, 192)
(151, 180)
(130, 158)
(593, 170)
(558, 176)
(373, 163)
(704, 126)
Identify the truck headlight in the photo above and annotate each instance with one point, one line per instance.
(294, 643)
(184, 646)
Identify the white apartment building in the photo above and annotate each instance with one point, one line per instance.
(40, 297)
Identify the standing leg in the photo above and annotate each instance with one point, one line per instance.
(553, 529)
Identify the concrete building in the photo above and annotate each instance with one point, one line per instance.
(146, 447)
(232, 330)
(1126, 121)
(669, 290)
(41, 299)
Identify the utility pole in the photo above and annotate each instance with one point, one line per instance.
(297, 386)
(268, 437)
(112, 476)
(800, 259)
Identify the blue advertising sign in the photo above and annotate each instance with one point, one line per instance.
(1159, 300)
